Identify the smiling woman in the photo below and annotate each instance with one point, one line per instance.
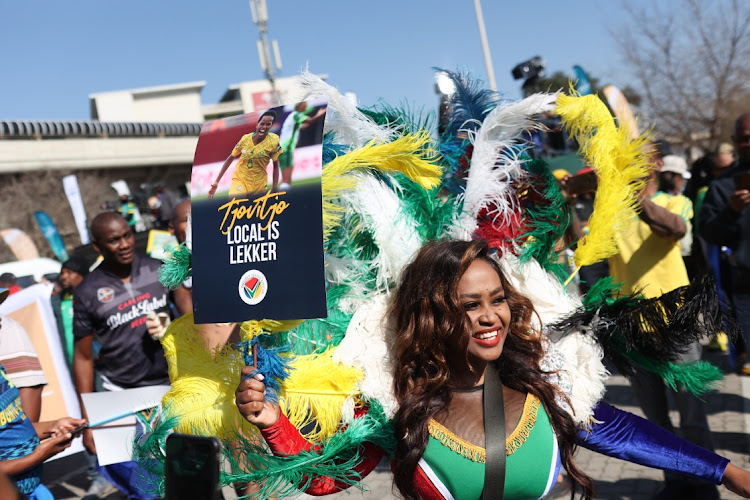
(455, 319)
(455, 314)
(482, 295)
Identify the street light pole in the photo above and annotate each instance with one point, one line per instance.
(260, 18)
(485, 47)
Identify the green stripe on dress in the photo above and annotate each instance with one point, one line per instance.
(459, 465)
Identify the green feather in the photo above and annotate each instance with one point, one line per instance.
(280, 476)
(697, 377)
(177, 268)
(336, 458)
(603, 291)
(316, 335)
(548, 219)
(149, 451)
(407, 119)
(433, 213)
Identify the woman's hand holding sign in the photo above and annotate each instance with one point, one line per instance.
(250, 397)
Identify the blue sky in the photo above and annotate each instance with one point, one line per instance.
(57, 53)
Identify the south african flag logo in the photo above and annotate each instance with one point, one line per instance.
(253, 288)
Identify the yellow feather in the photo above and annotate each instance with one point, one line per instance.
(203, 383)
(315, 392)
(620, 164)
(251, 329)
(411, 154)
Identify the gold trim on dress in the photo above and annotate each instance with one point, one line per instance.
(476, 453)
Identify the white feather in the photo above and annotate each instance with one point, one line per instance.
(352, 273)
(578, 355)
(574, 364)
(393, 230)
(495, 162)
(348, 124)
(551, 300)
(365, 346)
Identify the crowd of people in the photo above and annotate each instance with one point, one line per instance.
(107, 347)
(462, 331)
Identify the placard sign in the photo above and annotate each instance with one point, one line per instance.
(257, 216)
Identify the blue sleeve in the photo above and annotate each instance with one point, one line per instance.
(622, 435)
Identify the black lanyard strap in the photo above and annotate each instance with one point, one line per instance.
(494, 436)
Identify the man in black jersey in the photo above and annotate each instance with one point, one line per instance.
(111, 304)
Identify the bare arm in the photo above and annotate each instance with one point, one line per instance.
(46, 449)
(318, 114)
(737, 480)
(275, 176)
(31, 401)
(661, 221)
(183, 299)
(224, 168)
(8, 489)
(83, 373)
(54, 428)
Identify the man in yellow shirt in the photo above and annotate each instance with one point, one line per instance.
(255, 151)
(650, 262)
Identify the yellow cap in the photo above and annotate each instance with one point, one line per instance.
(560, 173)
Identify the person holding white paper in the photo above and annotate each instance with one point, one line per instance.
(24, 445)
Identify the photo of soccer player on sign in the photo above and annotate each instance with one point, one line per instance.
(254, 151)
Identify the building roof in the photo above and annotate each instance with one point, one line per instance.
(158, 89)
(40, 129)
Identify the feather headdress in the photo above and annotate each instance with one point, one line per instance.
(496, 162)
(381, 204)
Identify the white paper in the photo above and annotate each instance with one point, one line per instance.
(114, 440)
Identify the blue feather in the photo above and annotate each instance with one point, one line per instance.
(469, 105)
(469, 101)
(274, 367)
(332, 150)
(451, 149)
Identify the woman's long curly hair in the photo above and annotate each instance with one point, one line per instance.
(425, 312)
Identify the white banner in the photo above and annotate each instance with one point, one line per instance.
(32, 309)
(70, 185)
(621, 107)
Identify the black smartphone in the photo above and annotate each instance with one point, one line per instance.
(192, 468)
(78, 430)
(742, 180)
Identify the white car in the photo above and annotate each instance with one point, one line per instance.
(31, 269)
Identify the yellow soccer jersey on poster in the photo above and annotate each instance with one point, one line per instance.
(648, 262)
(250, 173)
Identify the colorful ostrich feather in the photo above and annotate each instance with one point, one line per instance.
(201, 399)
(410, 154)
(316, 391)
(619, 163)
